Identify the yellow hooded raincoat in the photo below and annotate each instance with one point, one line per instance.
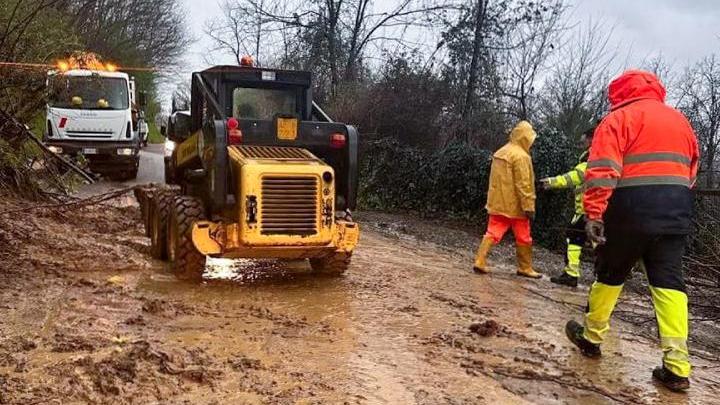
(512, 180)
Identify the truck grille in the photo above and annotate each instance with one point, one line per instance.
(289, 205)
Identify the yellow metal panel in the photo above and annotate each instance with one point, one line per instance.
(187, 150)
(202, 237)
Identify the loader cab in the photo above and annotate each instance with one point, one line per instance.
(255, 94)
(250, 106)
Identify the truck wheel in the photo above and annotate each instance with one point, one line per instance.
(132, 173)
(159, 207)
(185, 261)
(335, 264)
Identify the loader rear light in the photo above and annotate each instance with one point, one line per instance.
(337, 141)
(62, 123)
(233, 132)
(50, 132)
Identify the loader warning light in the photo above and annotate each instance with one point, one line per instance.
(337, 141)
(247, 61)
(63, 66)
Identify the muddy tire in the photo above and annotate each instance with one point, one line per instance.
(159, 209)
(335, 264)
(143, 195)
(185, 261)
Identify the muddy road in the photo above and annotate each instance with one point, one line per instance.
(87, 317)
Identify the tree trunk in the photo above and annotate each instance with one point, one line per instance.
(474, 73)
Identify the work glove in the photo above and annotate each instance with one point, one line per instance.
(545, 183)
(530, 215)
(595, 232)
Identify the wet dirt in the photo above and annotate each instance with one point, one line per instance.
(87, 317)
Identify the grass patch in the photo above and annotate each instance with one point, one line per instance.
(154, 135)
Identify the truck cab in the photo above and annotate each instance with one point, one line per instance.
(90, 112)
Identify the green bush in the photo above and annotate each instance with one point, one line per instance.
(453, 182)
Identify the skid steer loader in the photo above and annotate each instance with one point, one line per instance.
(259, 171)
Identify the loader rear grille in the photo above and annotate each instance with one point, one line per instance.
(289, 205)
(275, 153)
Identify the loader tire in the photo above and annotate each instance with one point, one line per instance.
(159, 208)
(143, 196)
(335, 264)
(185, 261)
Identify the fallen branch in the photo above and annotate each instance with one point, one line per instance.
(92, 200)
(572, 304)
(15, 129)
(63, 161)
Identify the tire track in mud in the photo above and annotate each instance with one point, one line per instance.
(409, 323)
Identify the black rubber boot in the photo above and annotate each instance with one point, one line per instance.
(574, 332)
(670, 380)
(565, 279)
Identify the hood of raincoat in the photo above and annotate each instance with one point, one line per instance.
(523, 135)
(635, 85)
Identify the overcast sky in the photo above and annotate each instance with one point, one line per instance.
(681, 30)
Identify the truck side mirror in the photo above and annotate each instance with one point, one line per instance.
(142, 99)
(162, 130)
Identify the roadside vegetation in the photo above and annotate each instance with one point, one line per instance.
(435, 85)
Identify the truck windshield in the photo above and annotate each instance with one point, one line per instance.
(263, 104)
(89, 93)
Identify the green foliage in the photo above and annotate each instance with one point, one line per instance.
(453, 181)
(154, 135)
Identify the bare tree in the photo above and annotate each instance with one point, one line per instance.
(663, 69)
(480, 20)
(329, 36)
(144, 32)
(532, 41)
(574, 94)
(700, 100)
(246, 29)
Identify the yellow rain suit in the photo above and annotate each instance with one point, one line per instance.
(512, 180)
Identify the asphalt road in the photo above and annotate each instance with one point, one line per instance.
(151, 171)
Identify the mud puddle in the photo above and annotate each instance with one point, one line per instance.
(87, 317)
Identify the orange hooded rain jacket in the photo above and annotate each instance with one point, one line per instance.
(643, 160)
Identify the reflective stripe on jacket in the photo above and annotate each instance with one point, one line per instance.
(575, 178)
(643, 160)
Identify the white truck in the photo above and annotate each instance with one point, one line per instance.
(93, 113)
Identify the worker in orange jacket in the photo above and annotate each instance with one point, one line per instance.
(638, 203)
(511, 200)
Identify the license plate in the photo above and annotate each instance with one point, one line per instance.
(89, 151)
(287, 128)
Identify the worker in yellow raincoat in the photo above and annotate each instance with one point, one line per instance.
(511, 200)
